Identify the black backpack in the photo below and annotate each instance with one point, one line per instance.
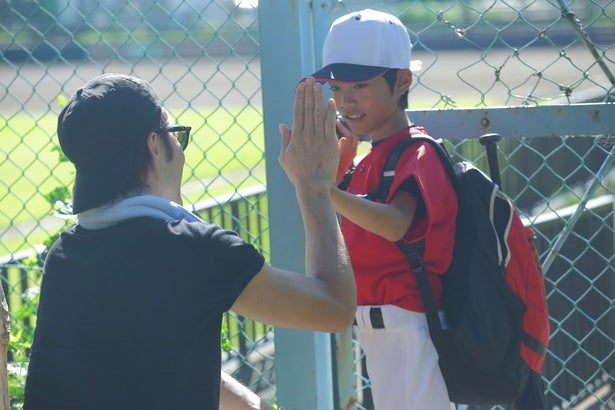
(493, 293)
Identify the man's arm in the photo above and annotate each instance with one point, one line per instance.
(324, 298)
(235, 396)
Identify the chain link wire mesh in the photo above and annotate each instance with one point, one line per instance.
(547, 178)
(506, 53)
(203, 59)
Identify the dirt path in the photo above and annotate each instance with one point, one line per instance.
(234, 81)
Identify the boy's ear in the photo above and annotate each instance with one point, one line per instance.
(404, 81)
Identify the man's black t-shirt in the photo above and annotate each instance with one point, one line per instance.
(129, 316)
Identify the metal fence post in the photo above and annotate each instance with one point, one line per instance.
(302, 359)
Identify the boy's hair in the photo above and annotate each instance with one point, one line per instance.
(391, 78)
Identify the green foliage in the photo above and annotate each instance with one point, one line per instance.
(225, 341)
(61, 156)
(23, 318)
(23, 321)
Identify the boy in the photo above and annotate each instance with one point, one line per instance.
(366, 60)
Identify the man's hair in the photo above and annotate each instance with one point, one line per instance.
(391, 78)
(142, 161)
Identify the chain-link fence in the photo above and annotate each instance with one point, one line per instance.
(204, 59)
(532, 53)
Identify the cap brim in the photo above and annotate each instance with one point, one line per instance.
(354, 72)
(348, 72)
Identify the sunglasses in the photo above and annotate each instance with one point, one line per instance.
(182, 133)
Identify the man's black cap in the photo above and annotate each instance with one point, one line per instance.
(99, 130)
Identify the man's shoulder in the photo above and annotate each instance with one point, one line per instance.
(161, 230)
(187, 230)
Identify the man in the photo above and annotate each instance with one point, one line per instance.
(133, 294)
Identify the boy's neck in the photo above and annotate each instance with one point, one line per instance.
(395, 124)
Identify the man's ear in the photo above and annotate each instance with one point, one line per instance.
(153, 144)
(404, 81)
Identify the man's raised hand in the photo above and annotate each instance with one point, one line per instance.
(309, 152)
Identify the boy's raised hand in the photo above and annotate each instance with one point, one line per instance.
(309, 153)
(348, 145)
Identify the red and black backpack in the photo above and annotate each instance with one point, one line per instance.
(493, 293)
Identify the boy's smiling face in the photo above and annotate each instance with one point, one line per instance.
(371, 107)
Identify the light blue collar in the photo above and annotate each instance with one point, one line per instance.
(134, 207)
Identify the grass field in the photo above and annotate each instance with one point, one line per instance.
(226, 153)
(223, 142)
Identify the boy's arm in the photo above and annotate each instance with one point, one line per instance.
(391, 221)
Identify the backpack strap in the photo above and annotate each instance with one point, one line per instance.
(346, 180)
(414, 250)
(414, 256)
(381, 192)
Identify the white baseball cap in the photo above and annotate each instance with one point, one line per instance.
(364, 44)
